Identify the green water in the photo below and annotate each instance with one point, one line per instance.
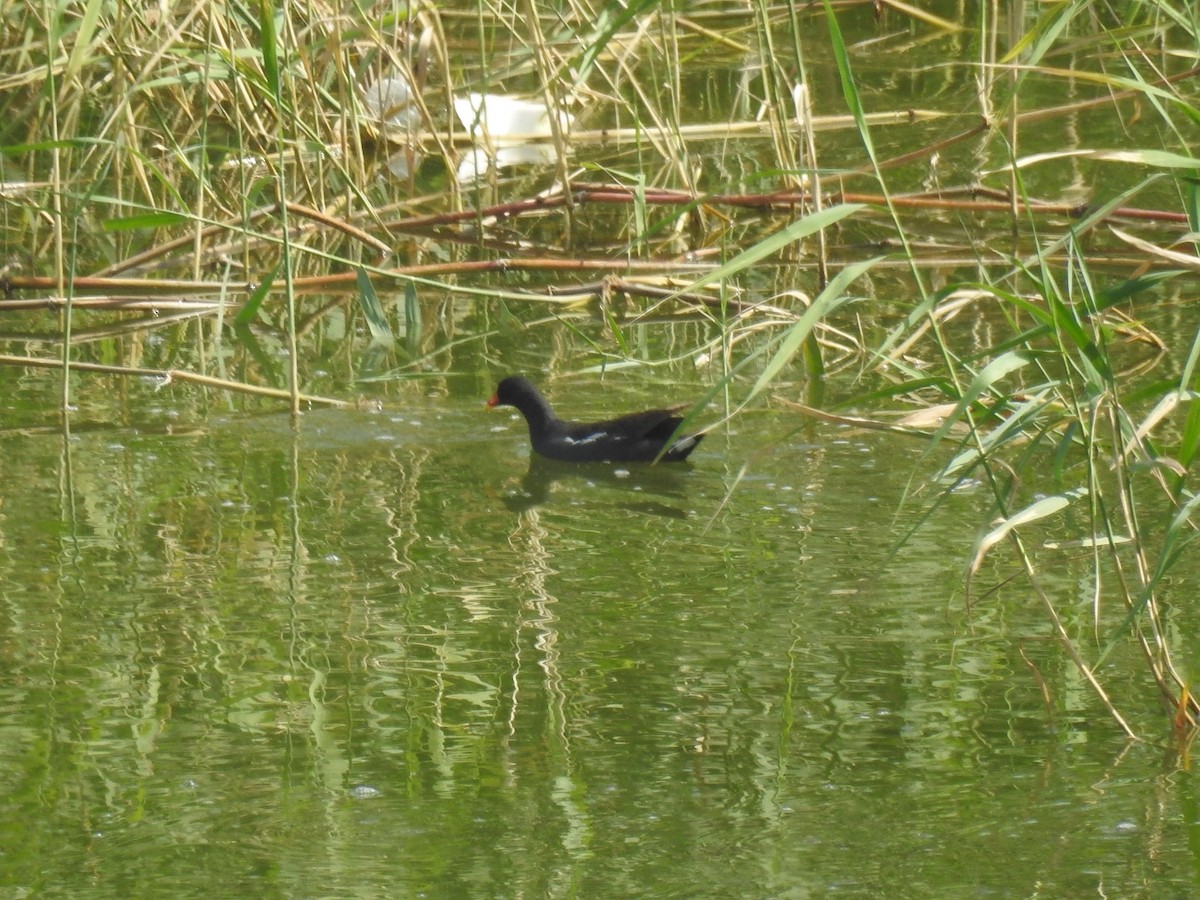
(380, 655)
(373, 656)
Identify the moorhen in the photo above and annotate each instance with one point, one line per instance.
(639, 437)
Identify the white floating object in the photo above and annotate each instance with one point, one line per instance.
(503, 117)
(389, 101)
(476, 162)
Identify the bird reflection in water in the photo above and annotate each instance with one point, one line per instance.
(646, 490)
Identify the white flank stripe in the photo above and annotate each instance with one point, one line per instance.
(591, 438)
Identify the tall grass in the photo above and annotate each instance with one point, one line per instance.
(1048, 394)
(810, 188)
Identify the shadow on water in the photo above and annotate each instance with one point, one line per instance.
(656, 484)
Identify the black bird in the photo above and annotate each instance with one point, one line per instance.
(638, 437)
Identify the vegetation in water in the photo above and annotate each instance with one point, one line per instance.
(319, 203)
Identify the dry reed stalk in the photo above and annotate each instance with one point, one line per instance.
(167, 376)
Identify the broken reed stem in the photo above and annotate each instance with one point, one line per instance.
(962, 199)
(169, 375)
(138, 291)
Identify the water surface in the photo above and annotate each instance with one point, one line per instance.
(378, 654)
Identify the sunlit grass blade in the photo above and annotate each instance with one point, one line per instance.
(985, 381)
(1158, 159)
(412, 316)
(1040, 509)
(268, 46)
(1044, 34)
(81, 45)
(825, 303)
(611, 18)
(846, 76)
(368, 299)
(776, 242)
(1019, 424)
(143, 222)
(1189, 439)
(249, 310)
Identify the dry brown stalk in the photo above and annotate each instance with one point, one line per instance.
(169, 375)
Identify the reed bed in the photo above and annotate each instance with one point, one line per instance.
(427, 174)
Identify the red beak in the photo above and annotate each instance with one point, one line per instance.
(493, 400)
